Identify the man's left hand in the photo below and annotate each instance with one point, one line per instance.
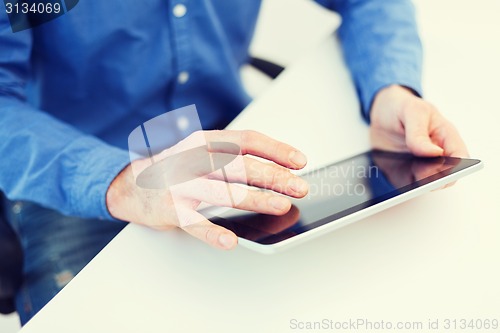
(401, 121)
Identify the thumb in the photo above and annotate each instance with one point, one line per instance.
(417, 134)
(198, 226)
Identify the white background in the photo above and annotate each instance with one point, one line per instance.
(462, 54)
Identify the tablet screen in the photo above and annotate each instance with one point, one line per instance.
(341, 189)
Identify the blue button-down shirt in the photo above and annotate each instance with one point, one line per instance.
(73, 89)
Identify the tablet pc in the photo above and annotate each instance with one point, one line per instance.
(345, 192)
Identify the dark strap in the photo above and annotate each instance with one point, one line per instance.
(11, 264)
(270, 69)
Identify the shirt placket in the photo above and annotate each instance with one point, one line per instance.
(181, 12)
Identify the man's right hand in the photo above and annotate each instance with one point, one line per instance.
(176, 206)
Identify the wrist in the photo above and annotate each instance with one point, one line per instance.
(390, 99)
(393, 93)
(116, 195)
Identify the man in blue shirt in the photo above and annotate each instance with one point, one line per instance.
(73, 89)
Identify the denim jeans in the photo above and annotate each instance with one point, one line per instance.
(56, 248)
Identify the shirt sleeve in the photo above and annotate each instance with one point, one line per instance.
(44, 160)
(381, 45)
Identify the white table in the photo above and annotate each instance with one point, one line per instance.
(434, 257)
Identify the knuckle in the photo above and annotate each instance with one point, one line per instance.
(253, 173)
(197, 134)
(279, 178)
(416, 105)
(249, 136)
(197, 137)
(215, 134)
(276, 149)
(275, 177)
(211, 235)
(219, 195)
(255, 200)
(239, 167)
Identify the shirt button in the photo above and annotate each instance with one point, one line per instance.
(17, 207)
(179, 10)
(182, 123)
(183, 77)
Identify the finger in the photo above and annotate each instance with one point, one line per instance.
(224, 194)
(198, 226)
(387, 140)
(198, 163)
(445, 186)
(451, 141)
(424, 169)
(450, 184)
(417, 132)
(255, 227)
(176, 168)
(247, 170)
(273, 224)
(275, 177)
(258, 144)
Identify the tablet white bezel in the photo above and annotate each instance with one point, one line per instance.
(356, 216)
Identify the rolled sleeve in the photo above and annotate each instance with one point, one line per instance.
(99, 164)
(48, 162)
(381, 45)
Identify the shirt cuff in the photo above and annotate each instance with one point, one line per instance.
(369, 86)
(100, 167)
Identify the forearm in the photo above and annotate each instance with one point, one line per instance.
(50, 163)
(381, 45)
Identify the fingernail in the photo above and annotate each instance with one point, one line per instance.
(437, 149)
(226, 241)
(297, 158)
(279, 203)
(298, 185)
